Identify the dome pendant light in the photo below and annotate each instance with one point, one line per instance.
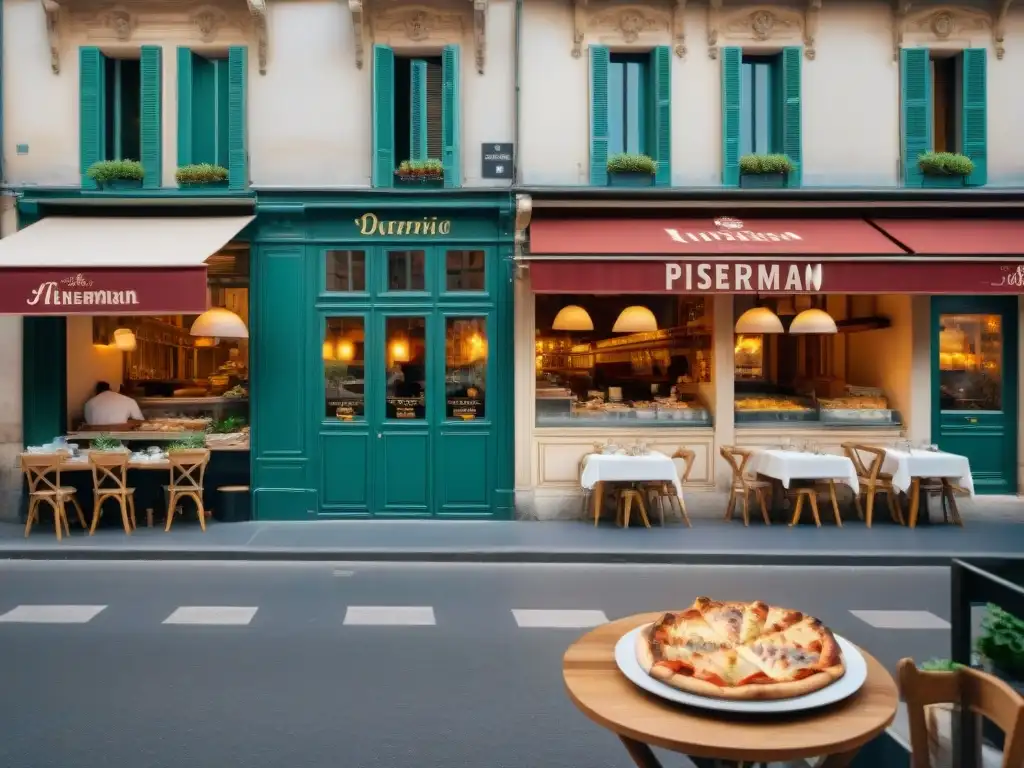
(572, 318)
(635, 319)
(220, 322)
(813, 321)
(759, 320)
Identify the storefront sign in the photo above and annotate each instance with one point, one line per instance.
(465, 408)
(369, 224)
(766, 277)
(103, 291)
(496, 161)
(730, 230)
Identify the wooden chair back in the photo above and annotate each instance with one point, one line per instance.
(188, 468)
(984, 694)
(687, 456)
(109, 471)
(856, 453)
(38, 469)
(737, 459)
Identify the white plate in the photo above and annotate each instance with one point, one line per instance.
(847, 685)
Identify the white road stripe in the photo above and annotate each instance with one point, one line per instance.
(902, 619)
(219, 615)
(390, 616)
(51, 614)
(558, 619)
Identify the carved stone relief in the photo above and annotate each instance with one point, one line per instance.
(355, 7)
(208, 20)
(121, 23)
(948, 26)
(52, 11)
(762, 24)
(421, 24)
(627, 24)
(258, 12)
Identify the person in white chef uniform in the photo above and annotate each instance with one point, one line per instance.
(109, 407)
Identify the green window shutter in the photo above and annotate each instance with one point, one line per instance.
(418, 110)
(451, 149)
(238, 150)
(184, 106)
(732, 92)
(383, 116)
(974, 119)
(91, 110)
(660, 99)
(915, 111)
(599, 61)
(151, 119)
(790, 107)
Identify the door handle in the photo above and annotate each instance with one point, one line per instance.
(972, 420)
(380, 435)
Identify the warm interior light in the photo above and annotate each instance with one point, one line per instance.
(399, 351)
(477, 347)
(346, 350)
(124, 340)
(206, 341)
(635, 319)
(220, 322)
(758, 320)
(328, 351)
(813, 321)
(572, 318)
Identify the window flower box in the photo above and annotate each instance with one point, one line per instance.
(765, 171)
(420, 174)
(944, 170)
(763, 180)
(117, 174)
(625, 170)
(202, 176)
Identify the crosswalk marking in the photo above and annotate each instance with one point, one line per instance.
(902, 619)
(390, 616)
(51, 614)
(219, 615)
(558, 619)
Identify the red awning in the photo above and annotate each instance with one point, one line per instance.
(714, 235)
(957, 237)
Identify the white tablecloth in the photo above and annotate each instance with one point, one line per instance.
(904, 466)
(798, 465)
(653, 467)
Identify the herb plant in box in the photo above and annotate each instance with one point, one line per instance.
(944, 169)
(1001, 647)
(202, 176)
(188, 443)
(420, 173)
(625, 170)
(117, 174)
(106, 443)
(765, 171)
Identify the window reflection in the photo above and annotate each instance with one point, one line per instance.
(971, 362)
(464, 271)
(406, 359)
(465, 367)
(344, 369)
(406, 270)
(346, 271)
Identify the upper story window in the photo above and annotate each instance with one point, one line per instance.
(628, 103)
(759, 107)
(944, 108)
(416, 113)
(123, 102)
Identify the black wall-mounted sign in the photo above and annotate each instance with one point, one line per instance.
(497, 161)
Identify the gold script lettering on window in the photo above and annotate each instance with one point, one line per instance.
(406, 360)
(344, 369)
(465, 367)
(970, 362)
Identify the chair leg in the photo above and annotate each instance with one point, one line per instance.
(814, 508)
(33, 507)
(627, 509)
(643, 509)
(761, 499)
(746, 507)
(857, 504)
(894, 507)
(798, 509)
(835, 503)
(58, 521)
(682, 511)
(870, 506)
(131, 511)
(97, 510)
(172, 502)
(79, 513)
(730, 507)
(122, 502)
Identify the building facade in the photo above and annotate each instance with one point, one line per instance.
(404, 266)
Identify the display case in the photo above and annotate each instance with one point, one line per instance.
(869, 408)
(688, 411)
(191, 414)
(759, 408)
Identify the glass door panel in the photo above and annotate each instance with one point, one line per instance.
(343, 353)
(971, 362)
(405, 356)
(465, 368)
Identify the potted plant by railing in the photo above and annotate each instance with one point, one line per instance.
(202, 176)
(106, 444)
(420, 173)
(625, 170)
(117, 174)
(1001, 647)
(765, 171)
(944, 169)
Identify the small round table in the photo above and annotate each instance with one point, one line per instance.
(709, 738)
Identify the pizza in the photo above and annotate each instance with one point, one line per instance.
(743, 651)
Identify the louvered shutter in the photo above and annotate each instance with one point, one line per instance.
(383, 170)
(418, 110)
(184, 106)
(661, 108)
(451, 151)
(915, 111)
(791, 107)
(91, 110)
(238, 149)
(151, 144)
(974, 119)
(599, 61)
(732, 91)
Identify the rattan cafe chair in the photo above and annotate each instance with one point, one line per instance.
(110, 482)
(188, 468)
(42, 472)
(743, 485)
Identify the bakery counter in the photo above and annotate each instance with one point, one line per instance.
(140, 439)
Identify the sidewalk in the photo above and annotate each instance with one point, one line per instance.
(708, 542)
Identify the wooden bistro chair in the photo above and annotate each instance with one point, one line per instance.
(872, 481)
(665, 492)
(110, 482)
(627, 497)
(187, 470)
(983, 694)
(42, 471)
(946, 492)
(744, 484)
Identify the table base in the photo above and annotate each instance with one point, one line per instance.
(644, 757)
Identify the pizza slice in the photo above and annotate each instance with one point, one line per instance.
(797, 652)
(779, 619)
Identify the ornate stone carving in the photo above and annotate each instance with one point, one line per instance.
(630, 23)
(953, 26)
(418, 24)
(679, 28)
(355, 7)
(714, 16)
(208, 20)
(52, 11)
(761, 24)
(480, 32)
(121, 22)
(811, 27)
(999, 28)
(258, 11)
(579, 26)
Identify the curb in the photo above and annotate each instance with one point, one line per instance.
(509, 555)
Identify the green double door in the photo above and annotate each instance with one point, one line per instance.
(407, 428)
(974, 385)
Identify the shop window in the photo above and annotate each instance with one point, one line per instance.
(970, 362)
(406, 270)
(622, 361)
(123, 80)
(345, 271)
(759, 131)
(344, 368)
(406, 360)
(464, 271)
(628, 103)
(209, 105)
(465, 367)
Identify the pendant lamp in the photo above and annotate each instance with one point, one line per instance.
(758, 320)
(124, 340)
(345, 351)
(635, 319)
(572, 318)
(813, 321)
(220, 322)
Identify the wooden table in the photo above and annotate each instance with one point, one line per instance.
(641, 720)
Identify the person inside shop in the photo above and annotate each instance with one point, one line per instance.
(109, 407)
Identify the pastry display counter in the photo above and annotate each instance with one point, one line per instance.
(688, 411)
(858, 408)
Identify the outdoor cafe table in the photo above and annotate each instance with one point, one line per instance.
(653, 467)
(909, 467)
(641, 721)
(785, 466)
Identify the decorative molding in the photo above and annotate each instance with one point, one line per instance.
(52, 11)
(811, 27)
(999, 28)
(355, 7)
(630, 24)
(121, 23)
(679, 28)
(579, 26)
(208, 20)
(258, 11)
(417, 24)
(714, 15)
(480, 32)
(949, 25)
(187, 22)
(900, 11)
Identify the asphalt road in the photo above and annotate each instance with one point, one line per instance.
(320, 670)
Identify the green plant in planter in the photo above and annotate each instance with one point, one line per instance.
(627, 163)
(418, 171)
(945, 164)
(940, 665)
(107, 173)
(201, 173)
(758, 165)
(1002, 641)
(106, 443)
(188, 443)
